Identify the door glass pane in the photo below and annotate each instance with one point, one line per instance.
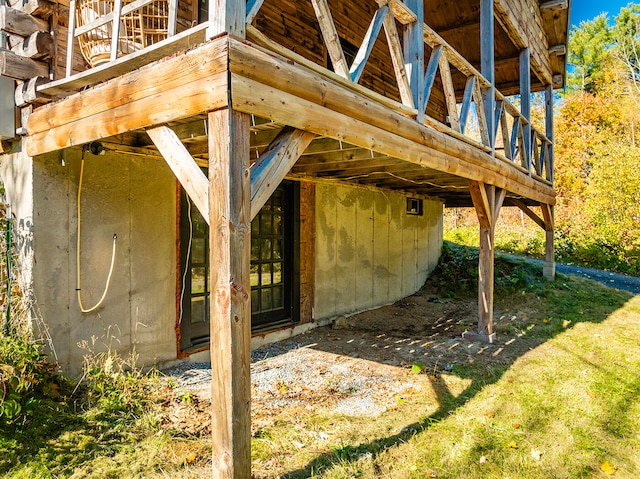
(277, 249)
(266, 275)
(277, 273)
(197, 280)
(266, 249)
(255, 304)
(255, 275)
(198, 251)
(198, 310)
(265, 296)
(278, 297)
(265, 224)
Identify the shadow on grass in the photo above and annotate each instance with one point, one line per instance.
(560, 305)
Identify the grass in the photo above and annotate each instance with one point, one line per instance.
(568, 407)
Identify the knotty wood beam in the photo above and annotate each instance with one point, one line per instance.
(20, 23)
(27, 92)
(331, 38)
(230, 315)
(402, 12)
(21, 68)
(274, 163)
(188, 173)
(37, 46)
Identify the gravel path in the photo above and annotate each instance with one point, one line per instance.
(613, 280)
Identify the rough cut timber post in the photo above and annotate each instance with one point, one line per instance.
(230, 250)
(525, 104)
(487, 200)
(227, 16)
(414, 54)
(549, 268)
(549, 130)
(487, 54)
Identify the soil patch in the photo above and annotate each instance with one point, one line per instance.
(360, 369)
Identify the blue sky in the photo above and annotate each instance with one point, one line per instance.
(587, 9)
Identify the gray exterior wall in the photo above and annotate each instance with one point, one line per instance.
(369, 251)
(133, 197)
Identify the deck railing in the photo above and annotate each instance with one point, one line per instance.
(532, 155)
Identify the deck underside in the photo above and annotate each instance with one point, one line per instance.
(362, 137)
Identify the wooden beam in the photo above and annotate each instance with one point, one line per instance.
(329, 109)
(227, 16)
(478, 98)
(27, 92)
(230, 255)
(397, 59)
(37, 8)
(37, 46)
(430, 75)
(188, 173)
(525, 103)
(331, 38)
(553, 6)
(21, 68)
(168, 47)
(558, 50)
(402, 12)
(449, 92)
(142, 98)
(466, 102)
(274, 163)
(20, 23)
(364, 52)
(527, 211)
(487, 60)
(549, 113)
(414, 55)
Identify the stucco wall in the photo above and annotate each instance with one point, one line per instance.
(132, 197)
(16, 174)
(369, 252)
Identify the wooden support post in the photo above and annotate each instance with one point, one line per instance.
(230, 253)
(487, 66)
(227, 16)
(487, 200)
(549, 131)
(525, 104)
(549, 268)
(414, 55)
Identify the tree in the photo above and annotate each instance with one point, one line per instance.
(626, 38)
(588, 48)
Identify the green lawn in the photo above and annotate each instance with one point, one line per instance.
(569, 407)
